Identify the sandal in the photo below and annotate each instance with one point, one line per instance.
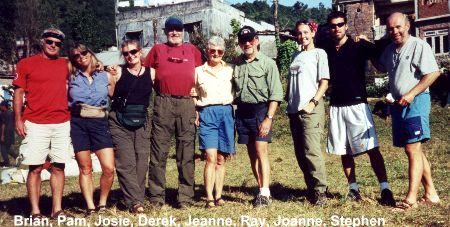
(404, 205)
(220, 202)
(137, 209)
(101, 209)
(210, 204)
(427, 201)
(60, 213)
(89, 212)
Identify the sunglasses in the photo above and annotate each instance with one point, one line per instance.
(213, 51)
(82, 53)
(132, 52)
(178, 29)
(245, 40)
(50, 42)
(338, 25)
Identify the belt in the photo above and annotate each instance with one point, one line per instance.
(201, 107)
(175, 96)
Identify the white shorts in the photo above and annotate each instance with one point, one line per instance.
(42, 140)
(351, 130)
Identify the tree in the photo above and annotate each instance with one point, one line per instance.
(287, 15)
(7, 38)
(91, 22)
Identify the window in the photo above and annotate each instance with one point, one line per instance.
(438, 40)
(193, 30)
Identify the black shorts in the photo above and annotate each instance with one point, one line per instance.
(248, 119)
(90, 134)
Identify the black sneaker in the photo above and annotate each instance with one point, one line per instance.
(319, 199)
(387, 198)
(182, 205)
(261, 201)
(354, 195)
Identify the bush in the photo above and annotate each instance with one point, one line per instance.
(377, 90)
(285, 51)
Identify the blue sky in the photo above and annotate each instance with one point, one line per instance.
(311, 3)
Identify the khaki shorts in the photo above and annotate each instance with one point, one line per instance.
(42, 140)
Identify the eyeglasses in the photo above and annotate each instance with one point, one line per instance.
(213, 51)
(338, 25)
(132, 52)
(178, 29)
(50, 42)
(245, 40)
(82, 53)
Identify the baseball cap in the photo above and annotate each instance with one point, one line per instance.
(53, 32)
(246, 33)
(173, 23)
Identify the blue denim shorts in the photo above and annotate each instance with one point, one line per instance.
(411, 123)
(248, 119)
(90, 134)
(217, 128)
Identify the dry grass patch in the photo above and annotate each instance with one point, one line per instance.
(287, 187)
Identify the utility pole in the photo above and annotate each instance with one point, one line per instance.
(275, 20)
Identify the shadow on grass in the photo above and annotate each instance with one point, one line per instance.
(75, 203)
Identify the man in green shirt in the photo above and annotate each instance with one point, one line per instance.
(258, 92)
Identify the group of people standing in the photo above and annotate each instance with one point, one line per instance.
(68, 102)
(340, 64)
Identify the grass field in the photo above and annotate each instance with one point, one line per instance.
(287, 188)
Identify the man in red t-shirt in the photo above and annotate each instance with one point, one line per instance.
(44, 124)
(173, 63)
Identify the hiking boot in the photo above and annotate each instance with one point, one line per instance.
(261, 201)
(182, 205)
(387, 198)
(354, 195)
(319, 199)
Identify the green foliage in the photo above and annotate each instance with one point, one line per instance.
(377, 91)
(7, 42)
(287, 15)
(285, 51)
(231, 42)
(91, 22)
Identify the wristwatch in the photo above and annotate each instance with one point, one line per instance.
(269, 116)
(314, 101)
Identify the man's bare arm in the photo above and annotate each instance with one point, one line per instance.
(17, 106)
(423, 84)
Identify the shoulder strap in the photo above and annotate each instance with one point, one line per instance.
(132, 86)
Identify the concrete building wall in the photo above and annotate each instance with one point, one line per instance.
(213, 15)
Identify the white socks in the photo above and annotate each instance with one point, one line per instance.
(354, 186)
(384, 185)
(264, 192)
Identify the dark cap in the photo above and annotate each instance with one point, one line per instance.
(173, 23)
(246, 33)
